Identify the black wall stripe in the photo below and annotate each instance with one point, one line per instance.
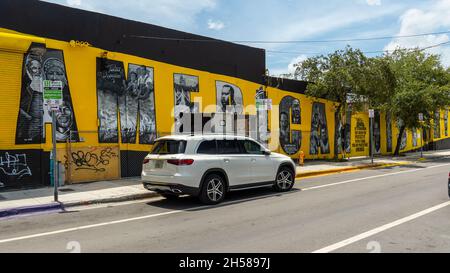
(107, 32)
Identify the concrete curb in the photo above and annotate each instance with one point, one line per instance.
(352, 168)
(10, 212)
(4, 213)
(125, 198)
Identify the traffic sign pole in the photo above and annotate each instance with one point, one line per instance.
(55, 161)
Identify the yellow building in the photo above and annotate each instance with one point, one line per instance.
(126, 83)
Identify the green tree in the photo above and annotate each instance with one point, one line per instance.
(422, 85)
(338, 77)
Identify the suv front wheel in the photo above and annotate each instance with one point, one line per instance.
(285, 180)
(213, 190)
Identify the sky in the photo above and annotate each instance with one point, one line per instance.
(294, 20)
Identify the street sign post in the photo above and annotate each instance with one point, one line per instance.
(53, 100)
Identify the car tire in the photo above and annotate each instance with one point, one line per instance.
(213, 190)
(170, 196)
(284, 180)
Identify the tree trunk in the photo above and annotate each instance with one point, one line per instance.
(399, 141)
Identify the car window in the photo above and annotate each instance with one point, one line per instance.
(169, 147)
(251, 147)
(207, 148)
(228, 147)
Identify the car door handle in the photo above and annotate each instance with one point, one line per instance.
(253, 159)
(226, 160)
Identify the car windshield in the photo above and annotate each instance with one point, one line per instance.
(169, 147)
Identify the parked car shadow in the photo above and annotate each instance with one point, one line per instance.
(190, 203)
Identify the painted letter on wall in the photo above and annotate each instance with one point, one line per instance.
(110, 86)
(290, 112)
(138, 101)
(44, 64)
(319, 130)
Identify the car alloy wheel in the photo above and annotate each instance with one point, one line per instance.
(215, 189)
(285, 180)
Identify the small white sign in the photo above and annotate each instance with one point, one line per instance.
(421, 117)
(371, 113)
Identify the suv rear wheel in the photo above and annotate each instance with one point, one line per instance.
(285, 180)
(213, 190)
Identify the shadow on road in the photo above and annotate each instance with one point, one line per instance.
(193, 204)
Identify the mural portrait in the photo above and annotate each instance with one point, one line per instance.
(446, 122)
(44, 64)
(138, 103)
(339, 133)
(404, 138)
(389, 132)
(377, 132)
(319, 140)
(437, 124)
(229, 98)
(348, 133)
(183, 86)
(262, 117)
(110, 86)
(290, 140)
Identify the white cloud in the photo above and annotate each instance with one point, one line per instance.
(74, 2)
(374, 2)
(434, 18)
(290, 69)
(215, 25)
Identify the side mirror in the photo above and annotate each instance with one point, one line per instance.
(267, 152)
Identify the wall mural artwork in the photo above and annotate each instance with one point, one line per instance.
(229, 98)
(389, 132)
(361, 132)
(404, 138)
(44, 64)
(377, 132)
(319, 131)
(290, 140)
(137, 105)
(183, 86)
(262, 116)
(446, 123)
(96, 161)
(437, 124)
(13, 166)
(348, 133)
(339, 133)
(110, 86)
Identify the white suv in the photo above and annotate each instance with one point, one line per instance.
(209, 166)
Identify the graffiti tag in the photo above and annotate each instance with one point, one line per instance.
(15, 165)
(91, 161)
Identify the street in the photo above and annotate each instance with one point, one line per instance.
(398, 209)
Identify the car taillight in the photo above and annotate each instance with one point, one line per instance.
(181, 162)
(146, 161)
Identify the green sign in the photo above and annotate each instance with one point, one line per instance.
(53, 94)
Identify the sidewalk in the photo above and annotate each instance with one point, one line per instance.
(314, 168)
(37, 200)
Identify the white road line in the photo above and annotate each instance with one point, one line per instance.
(380, 229)
(186, 210)
(88, 227)
(372, 177)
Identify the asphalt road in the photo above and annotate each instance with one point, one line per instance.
(400, 209)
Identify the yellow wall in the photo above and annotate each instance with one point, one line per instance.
(81, 71)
